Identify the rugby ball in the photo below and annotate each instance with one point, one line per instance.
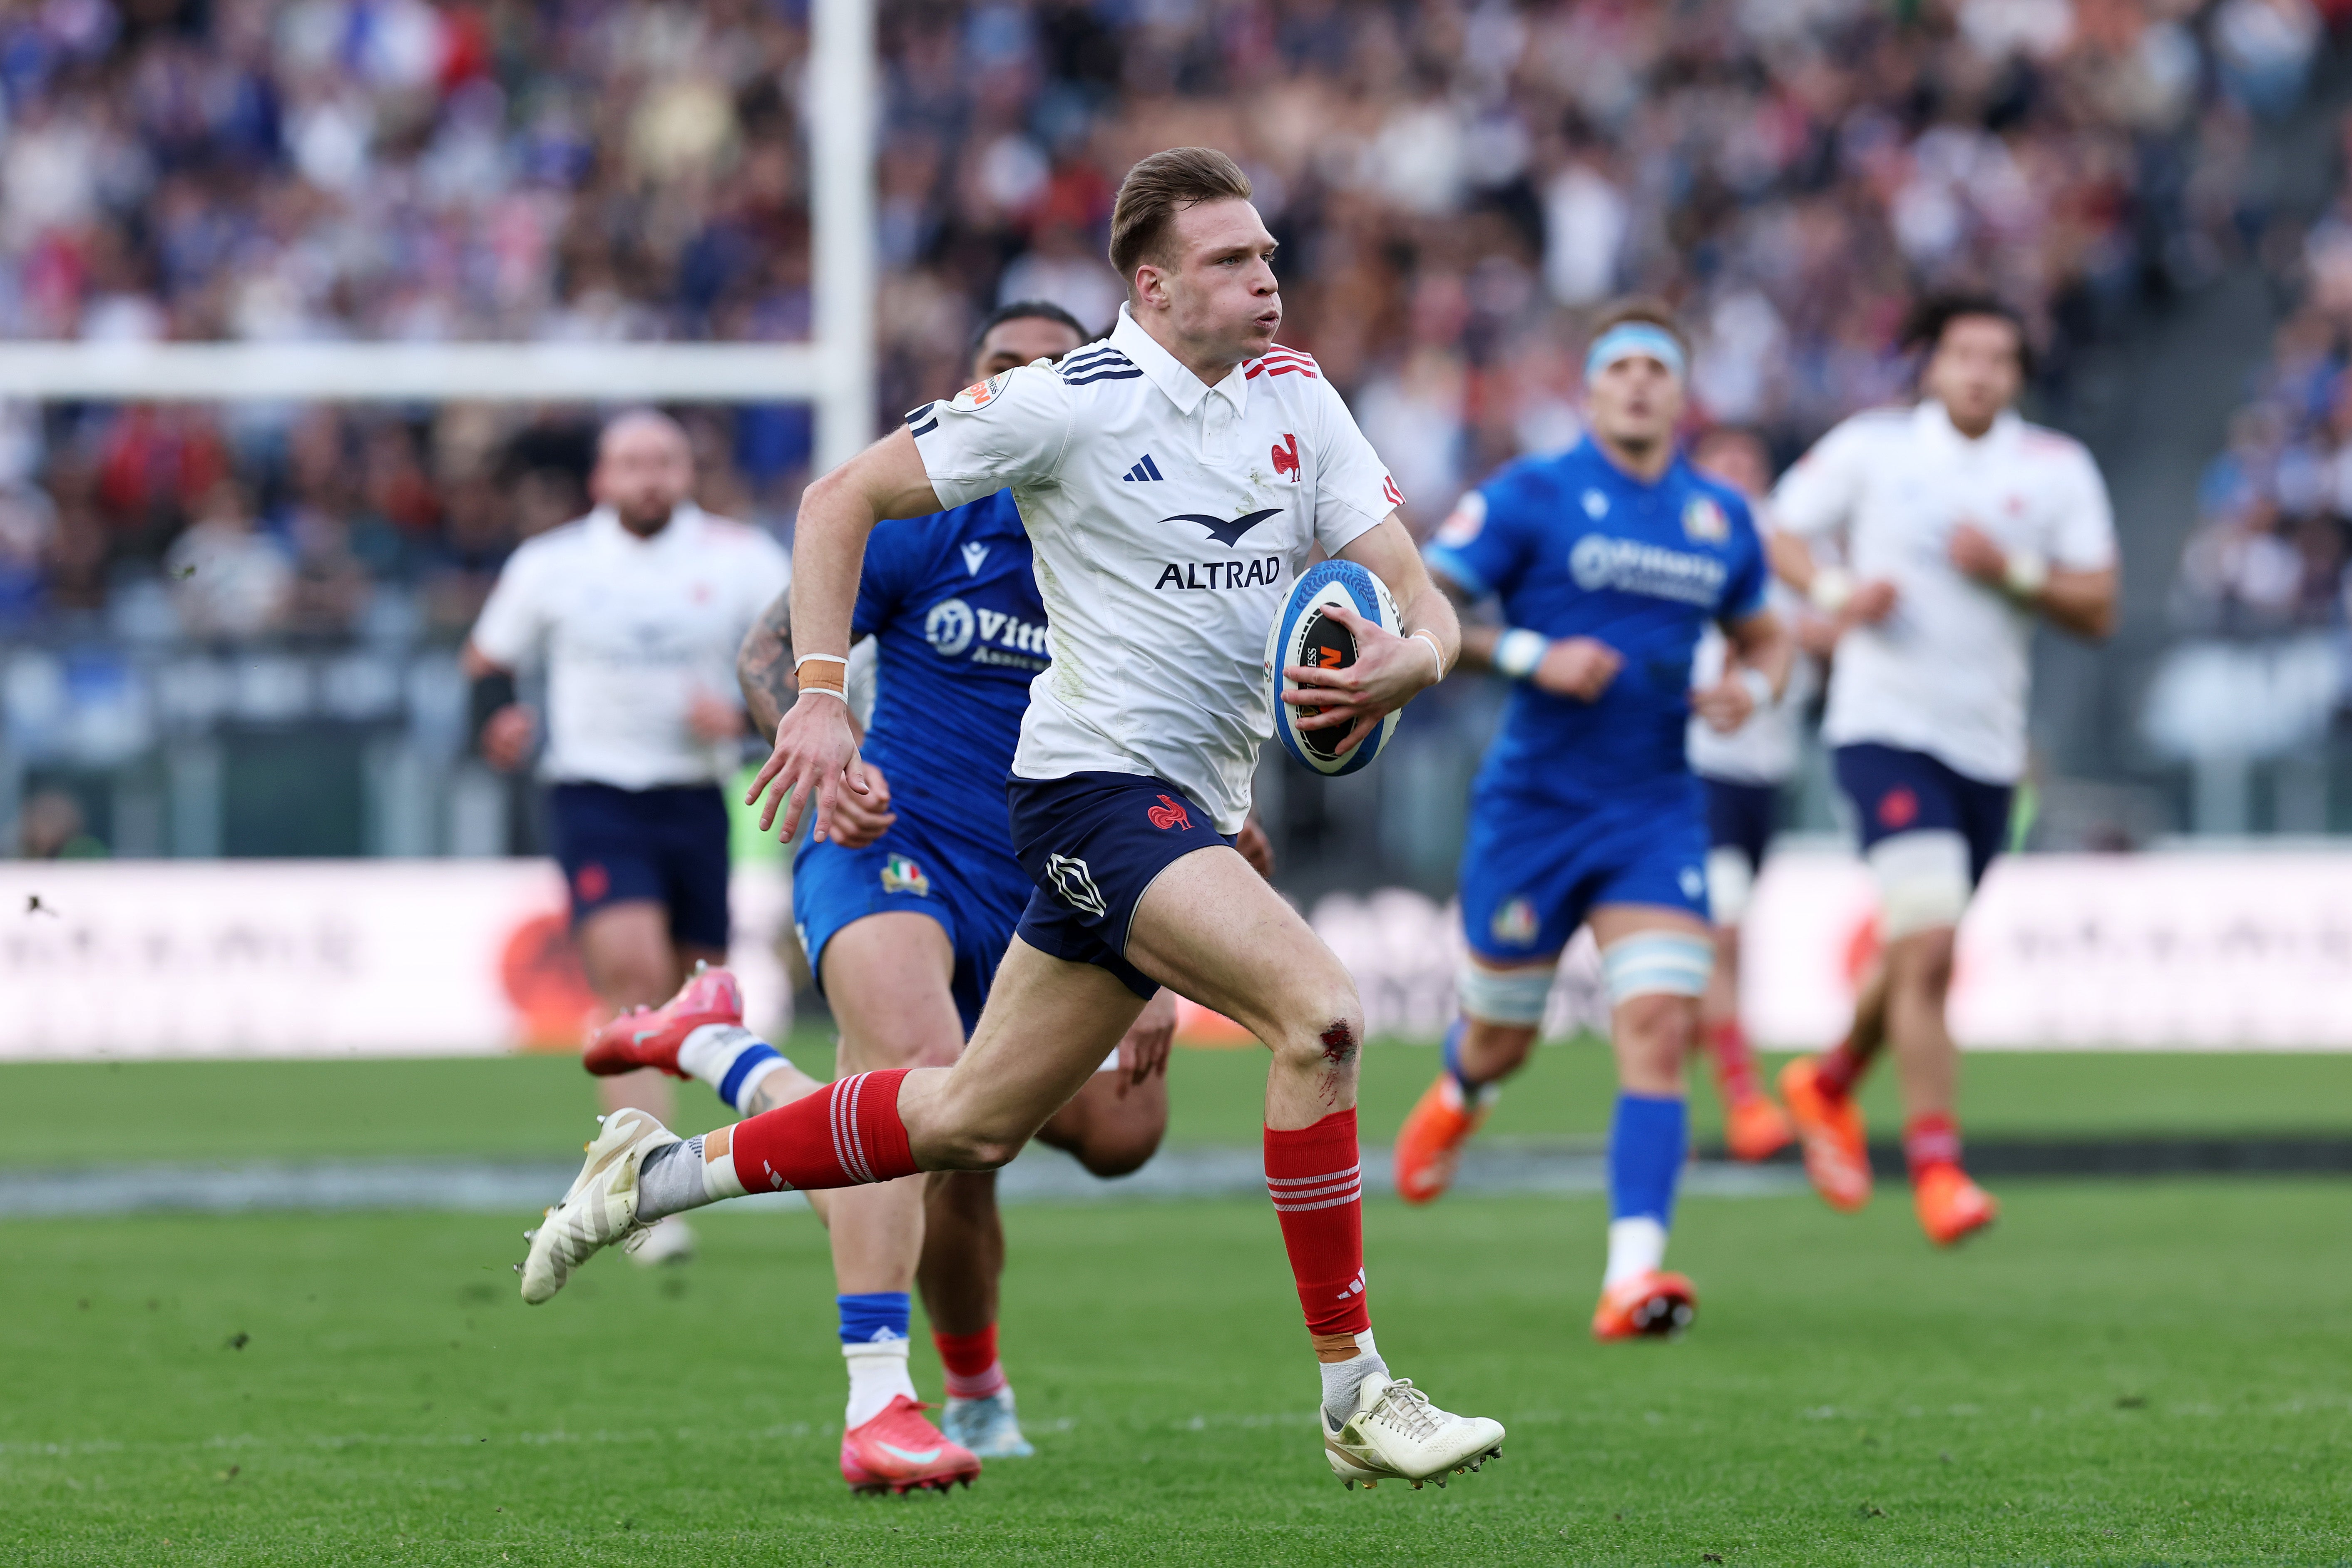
(1305, 632)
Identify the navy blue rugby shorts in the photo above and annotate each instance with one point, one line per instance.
(1093, 842)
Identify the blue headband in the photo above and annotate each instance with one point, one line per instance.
(1630, 338)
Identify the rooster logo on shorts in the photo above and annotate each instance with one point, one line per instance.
(1168, 814)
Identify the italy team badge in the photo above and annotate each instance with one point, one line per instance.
(1704, 522)
(1515, 925)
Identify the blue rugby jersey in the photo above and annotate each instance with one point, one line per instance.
(952, 601)
(1574, 546)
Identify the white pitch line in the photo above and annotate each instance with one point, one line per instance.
(1040, 1175)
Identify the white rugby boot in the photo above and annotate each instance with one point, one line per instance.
(601, 1207)
(990, 1428)
(1397, 1434)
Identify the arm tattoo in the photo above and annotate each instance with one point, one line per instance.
(763, 666)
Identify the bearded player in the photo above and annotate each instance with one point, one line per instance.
(1609, 561)
(634, 612)
(1963, 525)
(1173, 478)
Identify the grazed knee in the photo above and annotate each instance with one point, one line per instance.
(1327, 1039)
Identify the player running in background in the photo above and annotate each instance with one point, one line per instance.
(1609, 561)
(635, 611)
(1742, 773)
(1961, 523)
(1173, 478)
(905, 912)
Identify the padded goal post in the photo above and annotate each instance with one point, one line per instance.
(835, 372)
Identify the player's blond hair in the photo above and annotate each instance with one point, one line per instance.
(1156, 190)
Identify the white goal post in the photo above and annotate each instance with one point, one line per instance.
(835, 372)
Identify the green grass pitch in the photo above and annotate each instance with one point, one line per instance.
(2125, 1374)
(2128, 1374)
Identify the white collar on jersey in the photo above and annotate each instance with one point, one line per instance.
(606, 522)
(1931, 419)
(1166, 372)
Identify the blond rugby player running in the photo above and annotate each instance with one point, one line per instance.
(1133, 773)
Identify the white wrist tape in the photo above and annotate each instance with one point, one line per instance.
(1518, 651)
(1435, 652)
(1833, 586)
(2028, 573)
(831, 681)
(840, 697)
(1759, 687)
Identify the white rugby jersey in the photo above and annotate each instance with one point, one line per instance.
(1168, 519)
(1765, 750)
(629, 629)
(1946, 673)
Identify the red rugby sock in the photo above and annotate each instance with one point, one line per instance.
(1315, 1180)
(1735, 1061)
(843, 1135)
(1839, 1070)
(972, 1367)
(1930, 1140)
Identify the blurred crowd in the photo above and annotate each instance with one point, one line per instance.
(1452, 184)
(2273, 540)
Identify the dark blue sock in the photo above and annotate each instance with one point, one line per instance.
(1450, 1053)
(1648, 1138)
(876, 1315)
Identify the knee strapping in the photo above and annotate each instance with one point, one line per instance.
(1504, 995)
(1657, 962)
(1923, 880)
(1730, 882)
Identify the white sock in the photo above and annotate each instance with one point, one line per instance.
(1636, 1245)
(682, 1176)
(1342, 1379)
(715, 1052)
(877, 1374)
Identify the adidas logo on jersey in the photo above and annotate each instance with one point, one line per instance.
(1143, 471)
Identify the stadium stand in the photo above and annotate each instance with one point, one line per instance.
(2255, 678)
(1451, 182)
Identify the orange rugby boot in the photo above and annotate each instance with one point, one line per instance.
(650, 1037)
(1836, 1157)
(1429, 1144)
(1756, 1129)
(1951, 1207)
(1653, 1305)
(899, 1450)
